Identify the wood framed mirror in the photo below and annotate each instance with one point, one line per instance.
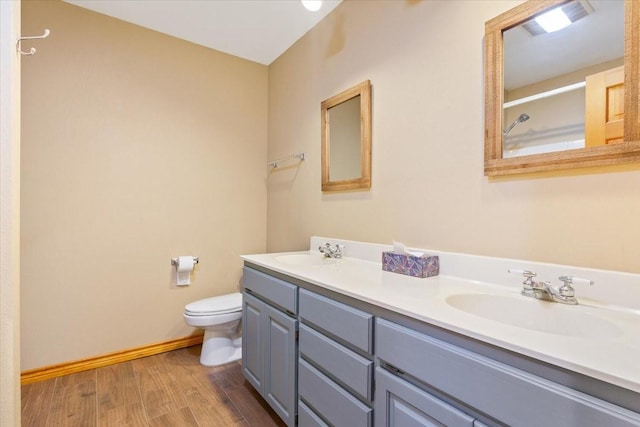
(528, 86)
(346, 139)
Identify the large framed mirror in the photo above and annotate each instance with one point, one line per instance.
(346, 139)
(562, 98)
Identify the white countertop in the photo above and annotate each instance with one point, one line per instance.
(609, 357)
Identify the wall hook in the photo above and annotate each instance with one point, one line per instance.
(33, 49)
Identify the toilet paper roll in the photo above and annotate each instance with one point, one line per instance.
(184, 269)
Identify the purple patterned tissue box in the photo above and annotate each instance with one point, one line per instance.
(416, 266)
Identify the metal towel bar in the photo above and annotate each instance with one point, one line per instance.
(274, 164)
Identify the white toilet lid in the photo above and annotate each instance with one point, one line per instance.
(222, 304)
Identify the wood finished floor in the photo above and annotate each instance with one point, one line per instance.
(170, 389)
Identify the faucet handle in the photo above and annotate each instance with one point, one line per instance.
(526, 273)
(576, 280)
(529, 284)
(567, 290)
(529, 275)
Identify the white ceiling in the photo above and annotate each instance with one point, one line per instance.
(257, 30)
(594, 39)
(261, 30)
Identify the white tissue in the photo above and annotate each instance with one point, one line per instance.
(400, 248)
(184, 269)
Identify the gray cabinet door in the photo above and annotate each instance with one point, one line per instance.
(401, 404)
(252, 347)
(269, 355)
(280, 357)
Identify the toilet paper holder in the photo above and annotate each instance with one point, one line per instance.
(174, 261)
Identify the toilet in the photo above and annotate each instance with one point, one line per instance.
(220, 318)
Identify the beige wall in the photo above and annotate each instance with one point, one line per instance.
(425, 63)
(9, 215)
(137, 147)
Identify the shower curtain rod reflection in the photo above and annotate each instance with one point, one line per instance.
(274, 164)
(546, 94)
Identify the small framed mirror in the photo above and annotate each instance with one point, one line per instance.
(564, 97)
(346, 139)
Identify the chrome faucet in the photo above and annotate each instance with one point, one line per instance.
(331, 253)
(565, 294)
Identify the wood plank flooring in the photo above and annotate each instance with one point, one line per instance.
(170, 389)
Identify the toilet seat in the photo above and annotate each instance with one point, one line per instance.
(224, 304)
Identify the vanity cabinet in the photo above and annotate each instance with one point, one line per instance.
(424, 375)
(335, 382)
(476, 384)
(269, 346)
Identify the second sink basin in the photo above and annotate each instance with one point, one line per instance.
(533, 314)
(309, 259)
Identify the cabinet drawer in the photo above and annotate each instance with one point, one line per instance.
(399, 403)
(330, 400)
(308, 418)
(510, 395)
(348, 367)
(279, 292)
(353, 326)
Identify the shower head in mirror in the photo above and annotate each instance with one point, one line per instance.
(522, 118)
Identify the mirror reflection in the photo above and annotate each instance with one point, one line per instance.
(562, 104)
(346, 139)
(564, 84)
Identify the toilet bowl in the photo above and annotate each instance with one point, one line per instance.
(220, 318)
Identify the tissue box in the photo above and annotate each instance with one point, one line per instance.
(416, 266)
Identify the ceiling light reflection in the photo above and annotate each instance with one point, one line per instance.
(312, 5)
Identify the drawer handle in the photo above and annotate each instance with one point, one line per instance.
(393, 369)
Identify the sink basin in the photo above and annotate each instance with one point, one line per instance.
(529, 313)
(306, 259)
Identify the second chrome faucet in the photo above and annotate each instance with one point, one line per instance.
(330, 252)
(565, 294)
